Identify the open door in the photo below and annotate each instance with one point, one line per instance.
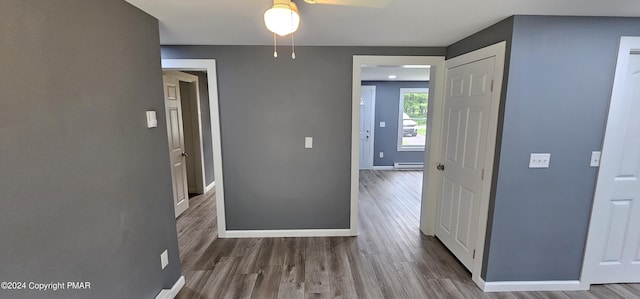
(465, 134)
(613, 245)
(175, 136)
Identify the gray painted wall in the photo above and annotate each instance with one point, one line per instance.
(541, 216)
(267, 107)
(205, 118)
(387, 110)
(85, 186)
(501, 31)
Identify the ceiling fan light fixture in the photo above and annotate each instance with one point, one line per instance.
(282, 18)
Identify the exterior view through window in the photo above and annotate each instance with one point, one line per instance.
(413, 119)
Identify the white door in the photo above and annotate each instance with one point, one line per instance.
(177, 152)
(466, 117)
(367, 101)
(613, 246)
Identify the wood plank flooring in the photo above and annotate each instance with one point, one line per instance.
(389, 259)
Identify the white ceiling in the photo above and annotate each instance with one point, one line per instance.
(401, 23)
(407, 73)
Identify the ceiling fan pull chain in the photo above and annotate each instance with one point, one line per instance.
(275, 49)
(293, 47)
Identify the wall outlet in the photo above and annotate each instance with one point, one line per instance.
(308, 142)
(164, 259)
(539, 160)
(383, 124)
(381, 154)
(595, 159)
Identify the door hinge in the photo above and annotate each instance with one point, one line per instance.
(474, 254)
(491, 85)
(482, 175)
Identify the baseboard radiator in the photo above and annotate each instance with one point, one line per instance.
(408, 165)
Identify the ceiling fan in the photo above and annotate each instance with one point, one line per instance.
(283, 17)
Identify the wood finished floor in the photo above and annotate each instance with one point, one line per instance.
(389, 259)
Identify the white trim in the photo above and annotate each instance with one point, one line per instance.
(209, 65)
(408, 166)
(382, 168)
(437, 83)
(400, 147)
(285, 233)
(498, 51)
(531, 286)
(198, 155)
(372, 125)
(173, 292)
(430, 177)
(209, 187)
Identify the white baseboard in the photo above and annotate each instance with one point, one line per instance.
(173, 292)
(530, 286)
(382, 168)
(286, 233)
(408, 166)
(210, 187)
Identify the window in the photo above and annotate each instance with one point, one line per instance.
(412, 128)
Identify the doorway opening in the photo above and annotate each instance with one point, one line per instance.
(184, 102)
(452, 138)
(394, 101)
(392, 127)
(203, 221)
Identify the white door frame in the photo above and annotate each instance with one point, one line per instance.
(209, 66)
(372, 125)
(429, 198)
(199, 154)
(628, 44)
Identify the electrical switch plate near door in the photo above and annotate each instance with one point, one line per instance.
(539, 160)
(164, 259)
(595, 159)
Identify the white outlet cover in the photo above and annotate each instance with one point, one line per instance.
(381, 154)
(383, 124)
(164, 259)
(308, 142)
(539, 160)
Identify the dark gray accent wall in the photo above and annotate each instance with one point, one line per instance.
(268, 106)
(501, 31)
(205, 118)
(85, 186)
(387, 110)
(560, 80)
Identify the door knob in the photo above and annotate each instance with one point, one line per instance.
(440, 167)
(184, 154)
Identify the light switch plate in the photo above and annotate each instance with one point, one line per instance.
(308, 142)
(383, 124)
(164, 259)
(381, 154)
(152, 120)
(539, 160)
(595, 159)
